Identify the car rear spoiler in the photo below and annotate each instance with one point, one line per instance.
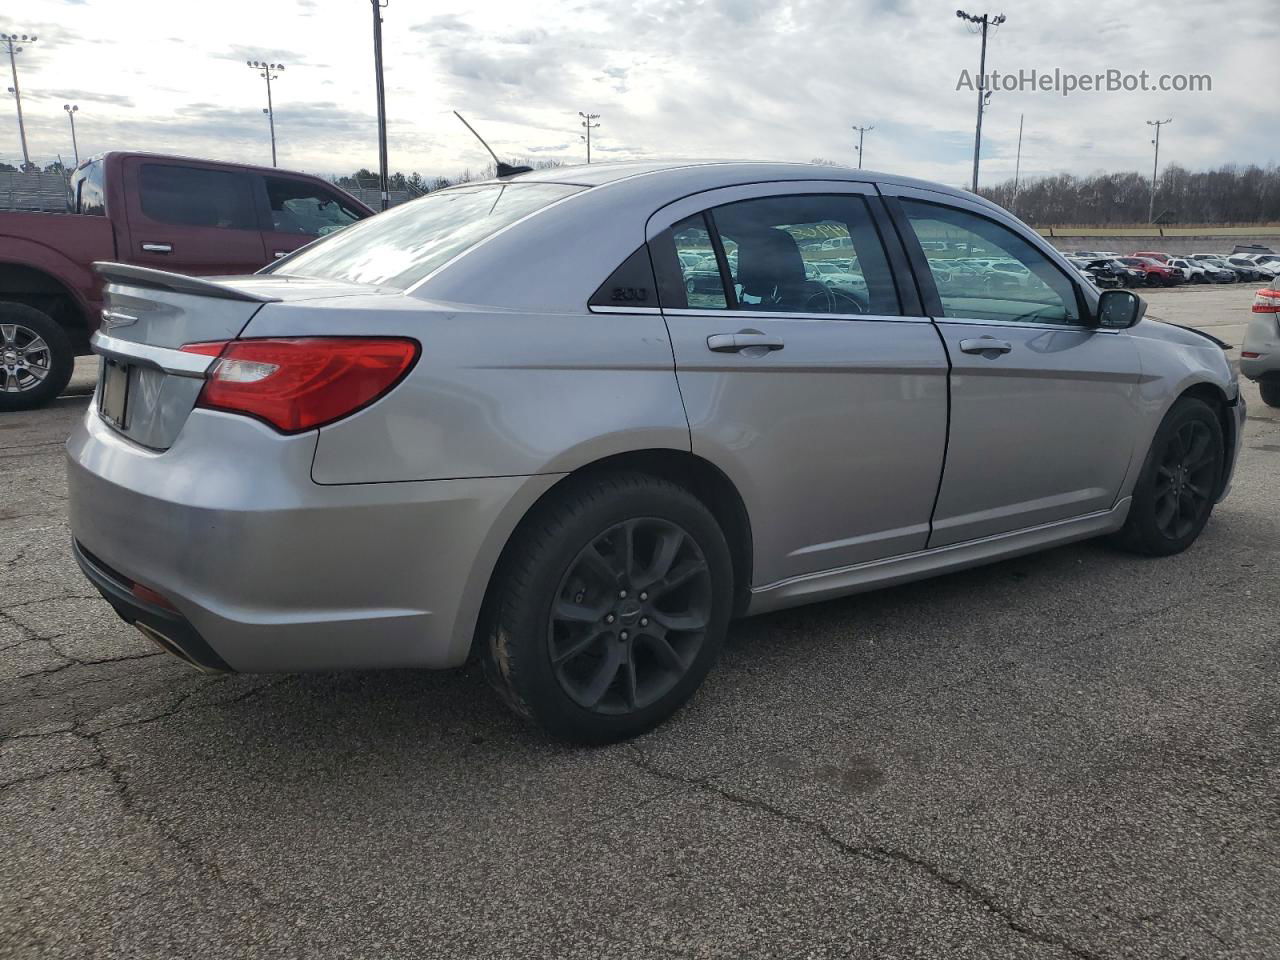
(175, 282)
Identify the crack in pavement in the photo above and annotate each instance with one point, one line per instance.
(875, 854)
(76, 661)
(127, 796)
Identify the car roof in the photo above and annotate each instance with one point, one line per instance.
(698, 175)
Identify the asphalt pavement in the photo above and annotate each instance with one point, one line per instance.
(1072, 754)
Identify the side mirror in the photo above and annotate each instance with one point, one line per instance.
(1120, 309)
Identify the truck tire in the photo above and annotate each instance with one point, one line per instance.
(36, 358)
(1270, 390)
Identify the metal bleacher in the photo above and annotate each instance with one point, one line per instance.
(33, 192)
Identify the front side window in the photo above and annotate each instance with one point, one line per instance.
(400, 247)
(305, 209)
(196, 197)
(985, 271)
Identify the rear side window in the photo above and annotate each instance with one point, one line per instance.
(194, 197)
(400, 247)
(88, 195)
(802, 253)
(806, 254)
(306, 209)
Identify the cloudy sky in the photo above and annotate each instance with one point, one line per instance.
(707, 78)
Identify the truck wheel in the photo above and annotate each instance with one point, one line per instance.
(1270, 390)
(36, 358)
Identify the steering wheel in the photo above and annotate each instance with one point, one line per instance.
(834, 301)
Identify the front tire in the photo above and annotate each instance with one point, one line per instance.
(609, 607)
(1270, 390)
(1179, 482)
(36, 359)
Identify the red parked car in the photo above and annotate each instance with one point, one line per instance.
(1158, 274)
(172, 213)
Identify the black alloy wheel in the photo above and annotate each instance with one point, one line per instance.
(630, 616)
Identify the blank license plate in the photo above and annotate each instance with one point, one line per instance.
(114, 403)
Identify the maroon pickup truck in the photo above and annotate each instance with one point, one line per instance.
(172, 213)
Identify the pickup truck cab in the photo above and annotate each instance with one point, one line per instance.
(196, 217)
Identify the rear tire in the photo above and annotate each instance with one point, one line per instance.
(609, 607)
(36, 358)
(1270, 390)
(1179, 482)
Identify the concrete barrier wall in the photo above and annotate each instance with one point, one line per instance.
(1175, 240)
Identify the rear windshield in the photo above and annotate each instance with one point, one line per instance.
(400, 247)
(86, 194)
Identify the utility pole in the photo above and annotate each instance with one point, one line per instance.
(861, 131)
(1155, 166)
(270, 71)
(983, 22)
(378, 7)
(586, 122)
(11, 40)
(1017, 165)
(72, 109)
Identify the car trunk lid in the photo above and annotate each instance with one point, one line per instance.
(148, 385)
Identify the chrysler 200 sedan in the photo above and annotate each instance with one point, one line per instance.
(500, 422)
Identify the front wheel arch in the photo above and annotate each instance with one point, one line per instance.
(1217, 399)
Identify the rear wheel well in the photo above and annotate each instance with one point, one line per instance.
(43, 292)
(700, 477)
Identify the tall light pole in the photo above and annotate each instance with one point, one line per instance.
(269, 72)
(1155, 166)
(861, 131)
(586, 122)
(72, 109)
(983, 22)
(11, 40)
(378, 7)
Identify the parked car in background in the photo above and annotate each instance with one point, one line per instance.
(196, 217)
(1157, 256)
(1260, 352)
(1248, 269)
(1220, 263)
(1192, 271)
(1157, 274)
(412, 442)
(1098, 272)
(1269, 265)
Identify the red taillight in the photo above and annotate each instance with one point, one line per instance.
(1266, 301)
(304, 382)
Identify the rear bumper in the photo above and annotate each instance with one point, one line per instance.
(168, 629)
(272, 572)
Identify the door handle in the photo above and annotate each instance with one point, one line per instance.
(281, 253)
(985, 345)
(743, 340)
(158, 247)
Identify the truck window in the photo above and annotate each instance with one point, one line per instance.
(306, 209)
(192, 197)
(88, 195)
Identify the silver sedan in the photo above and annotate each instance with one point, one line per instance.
(570, 423)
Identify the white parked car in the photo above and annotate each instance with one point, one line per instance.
(1192, 272)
